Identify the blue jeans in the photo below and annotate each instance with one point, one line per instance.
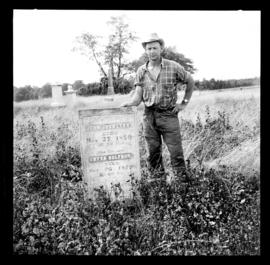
(163, 124)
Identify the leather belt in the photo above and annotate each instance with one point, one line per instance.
(158, 109)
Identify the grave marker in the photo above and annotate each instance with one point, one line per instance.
(110, 82)
(110, 91)
(109, 148)
(71, 95)
(57, 96)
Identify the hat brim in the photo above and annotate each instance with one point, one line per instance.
(161, 41)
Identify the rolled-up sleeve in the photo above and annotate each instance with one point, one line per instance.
(181, 74)
(138, 77)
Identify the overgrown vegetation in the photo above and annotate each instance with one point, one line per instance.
(217, 212)
(210, 216)
(205, 137)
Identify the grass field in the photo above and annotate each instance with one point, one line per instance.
(218, 215)
(241, 105)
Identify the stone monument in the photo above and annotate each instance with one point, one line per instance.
(57, 96)
(71, 95)
(110, 83)
(109, 149)
(110, 86)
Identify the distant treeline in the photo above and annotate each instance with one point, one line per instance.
(220, 84)
(121, 86)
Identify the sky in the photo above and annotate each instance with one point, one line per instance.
(222, 44)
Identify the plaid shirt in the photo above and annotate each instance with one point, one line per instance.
(162, 92)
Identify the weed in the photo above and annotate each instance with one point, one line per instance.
(215, 213)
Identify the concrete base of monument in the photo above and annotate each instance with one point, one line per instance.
(58, 104)
(109, 98)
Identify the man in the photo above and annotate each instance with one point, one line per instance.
(156, 85)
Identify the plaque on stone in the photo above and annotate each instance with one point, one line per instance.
(109, 149)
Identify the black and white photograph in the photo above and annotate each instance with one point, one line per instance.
(136, 132)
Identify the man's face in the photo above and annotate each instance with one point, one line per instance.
(153, 50)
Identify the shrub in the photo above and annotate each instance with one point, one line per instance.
(46, 91)
(25, 93)
(90, 89)
(123, 86)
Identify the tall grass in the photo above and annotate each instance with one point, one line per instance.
(215, 213)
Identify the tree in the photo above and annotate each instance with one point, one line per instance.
(88, 46)
(116, 49)
(36, 92)
(24, 93)
(78, 84)
(15, 91)
(212, 83)
(169, 53)
(113, 55)
(46, 91)
(64, 87)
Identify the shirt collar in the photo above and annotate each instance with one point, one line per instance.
(162, 64)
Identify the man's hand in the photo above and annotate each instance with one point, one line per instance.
(136, 98)
(178, 107)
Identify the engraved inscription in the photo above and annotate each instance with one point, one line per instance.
(110, 157)
(109, 147)
(108, 126)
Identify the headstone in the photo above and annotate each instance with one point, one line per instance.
(110, 83)
(70, 95)
(57, 96)
(110, 91)
(109, 149)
